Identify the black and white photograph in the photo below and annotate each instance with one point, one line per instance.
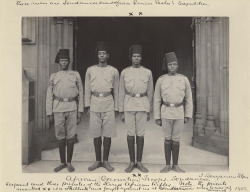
(124, 95)
(100, 94)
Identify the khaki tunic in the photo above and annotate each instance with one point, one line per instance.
(173, 89)
(64, 84)
(136, 80)
(102, 79)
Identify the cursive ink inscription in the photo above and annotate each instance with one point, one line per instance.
(126, 183)
(116, 3)
(164, 2)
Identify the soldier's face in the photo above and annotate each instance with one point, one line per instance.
(103, 56)
(64, 63)
(172, 67)
(136, 59)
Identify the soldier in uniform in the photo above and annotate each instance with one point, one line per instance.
(64, 107)
(173, 106)
(135, 103)
(101, 99)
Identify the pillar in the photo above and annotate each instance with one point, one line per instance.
(70, 42)
(216, 72)
(210, 123)
(43, 70)
(198, 126)
(224, 89)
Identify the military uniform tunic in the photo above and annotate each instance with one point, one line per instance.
(135, 81)
(102, 117)
(101, 79)
(64, 84)
(173, 89)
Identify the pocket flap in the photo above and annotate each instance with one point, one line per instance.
(180, 83)
(128, 80)
(92, 77)
(56, 80)
(144, 79)
(72, 79)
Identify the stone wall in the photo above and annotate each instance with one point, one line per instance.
(211, 129)
(41, 39)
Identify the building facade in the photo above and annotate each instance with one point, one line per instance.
(201, 45)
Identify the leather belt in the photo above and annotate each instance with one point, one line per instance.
(167, 104)
(136, 94)
(103, 94)
(70, 99)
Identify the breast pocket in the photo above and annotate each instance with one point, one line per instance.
(72, 81)
(129, 83)
(92, 78)
(144, 83)
(164, 87)
(109, 81)
(56, 81)
(180, 85)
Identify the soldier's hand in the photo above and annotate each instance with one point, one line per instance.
(116, 113)
(158, 122)
(148, 116)
(79, 117)
(122, 117)
(88, 112)
(186, 120)
(51, 120)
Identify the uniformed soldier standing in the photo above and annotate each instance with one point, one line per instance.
(135, 103)
(64, 106)
(101, 98)
(173, 106)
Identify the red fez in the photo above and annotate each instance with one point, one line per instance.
(135, 49)
(62, 54)
(170, 57)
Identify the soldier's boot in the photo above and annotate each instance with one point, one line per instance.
(175, 153)
(106, 149)
(70, 149)
(62, 145)
(167, 149)
(140, 145)
(131, 150)
(98, 153)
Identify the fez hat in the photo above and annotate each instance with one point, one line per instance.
(170, 57)
(135, 49)
(62, 54)
(101, 46)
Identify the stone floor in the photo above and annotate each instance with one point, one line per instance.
(191, 159)
(82, 167)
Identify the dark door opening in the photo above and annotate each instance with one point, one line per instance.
(157, 35)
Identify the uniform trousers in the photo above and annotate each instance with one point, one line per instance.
(65, 124)
(102, 124)
(135, 122)
(172, 129)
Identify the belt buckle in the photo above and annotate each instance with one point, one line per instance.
(65, 99)
(137, 95)
(100, 95)
(171, 104)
